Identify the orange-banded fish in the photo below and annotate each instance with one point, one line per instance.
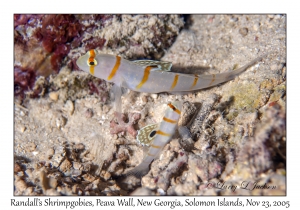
(150, 76)
(162, 135)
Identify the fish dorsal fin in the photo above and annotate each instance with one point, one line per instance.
(160, 65)
(147, 134)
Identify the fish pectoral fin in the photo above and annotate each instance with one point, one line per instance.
(117, 94)
(117, 91)
(158, 65)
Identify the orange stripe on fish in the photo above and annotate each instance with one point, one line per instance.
(213, 79)
(169, 120)
(145, 77)
(155, 146)
(92, 62)
(174, 108)
(159, 132)
(174, 81)
(115, 69)
(195, 81)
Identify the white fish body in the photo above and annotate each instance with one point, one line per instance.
(150, 76)
(163, 135)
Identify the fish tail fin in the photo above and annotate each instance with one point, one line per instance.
(205, 81)
(230, 75)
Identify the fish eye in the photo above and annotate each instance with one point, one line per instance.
(152, 133)
(91, 62)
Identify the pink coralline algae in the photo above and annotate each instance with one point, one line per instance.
(99, 87)
(49, 38)
(43, 44)
(55, 33)
(122, 126)
(24, 80)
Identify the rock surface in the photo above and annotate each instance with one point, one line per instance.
(63, 140)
